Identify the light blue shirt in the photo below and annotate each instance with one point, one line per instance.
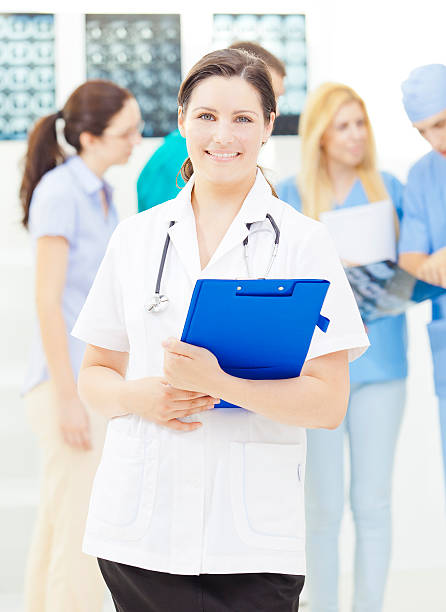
(423, 229)
(386, 358)
(67, 202)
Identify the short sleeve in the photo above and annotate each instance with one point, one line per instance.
(346, 330)
(414, 235)
(101, 321)
(53, 211)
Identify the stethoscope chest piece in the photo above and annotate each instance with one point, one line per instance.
(158, 303)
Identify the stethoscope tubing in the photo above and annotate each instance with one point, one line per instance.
(163, 261)
(160, 301)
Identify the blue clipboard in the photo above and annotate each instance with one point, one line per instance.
(258, 329)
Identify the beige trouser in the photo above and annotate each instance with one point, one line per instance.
(59, 576)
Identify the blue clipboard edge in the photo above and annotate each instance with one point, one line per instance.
(322, 322)
(191, 311)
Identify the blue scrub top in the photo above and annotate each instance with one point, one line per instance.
(423, 229)
(386, 358)
(158, 180)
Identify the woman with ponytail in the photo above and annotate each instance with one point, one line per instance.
(69, 212)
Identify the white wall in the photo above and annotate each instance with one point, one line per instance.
(369, 45)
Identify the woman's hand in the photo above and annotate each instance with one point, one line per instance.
(156, 400)
(190, 367)
(74, 422)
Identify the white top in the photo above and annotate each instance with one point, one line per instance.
(227, 497)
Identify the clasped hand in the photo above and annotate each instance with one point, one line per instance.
(190, 376)
(190, 367)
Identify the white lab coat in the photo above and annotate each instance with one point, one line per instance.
(227, 497)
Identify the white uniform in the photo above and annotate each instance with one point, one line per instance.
(228, 497)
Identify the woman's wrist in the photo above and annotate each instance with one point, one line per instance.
(67, 391)
(220, 384)
(123, 391)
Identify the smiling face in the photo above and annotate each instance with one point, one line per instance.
(224, 127)
(345, 140)
(433, 129)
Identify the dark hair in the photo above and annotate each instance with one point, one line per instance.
(273, 62)
(228, 63)
(89, 109)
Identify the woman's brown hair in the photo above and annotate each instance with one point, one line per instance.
(229, 63)
(89, 109)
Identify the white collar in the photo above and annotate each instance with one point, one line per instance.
(183, 232)
(254, 207)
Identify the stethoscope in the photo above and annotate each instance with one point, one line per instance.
(160, 301)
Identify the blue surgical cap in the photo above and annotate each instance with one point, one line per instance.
(424, 92)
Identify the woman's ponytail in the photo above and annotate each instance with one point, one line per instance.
(43, 154)
(273, 191)
(187, 170)
(88, 109)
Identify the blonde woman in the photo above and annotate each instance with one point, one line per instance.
(339, 170)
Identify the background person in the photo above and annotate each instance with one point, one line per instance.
(339, 170)
(174, 531)
(70, 215)
(160, 178)
(423, 231)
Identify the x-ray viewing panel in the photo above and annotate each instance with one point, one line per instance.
(143, 54)
(282, 35)
(27, 75)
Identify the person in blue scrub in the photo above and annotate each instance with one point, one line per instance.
(160, 179)
(69, 212)
(423, 232)
(339, 170)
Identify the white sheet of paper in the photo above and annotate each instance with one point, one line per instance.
(363, 234)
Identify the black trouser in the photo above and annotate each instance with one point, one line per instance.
(138, 590)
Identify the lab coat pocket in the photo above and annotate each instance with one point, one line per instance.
(124, 488)
(267, 494)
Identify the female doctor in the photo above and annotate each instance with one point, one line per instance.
(196, 508)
